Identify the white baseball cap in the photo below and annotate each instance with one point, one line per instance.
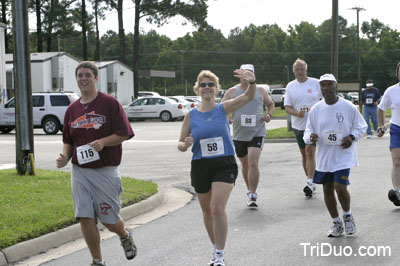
(247, 66)
(329, 77)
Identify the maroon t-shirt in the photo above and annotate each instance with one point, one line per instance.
(102, 117)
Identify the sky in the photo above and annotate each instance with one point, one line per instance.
(226, 15)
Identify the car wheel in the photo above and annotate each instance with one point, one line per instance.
(51, 126)
(165, 116)
(6, 130)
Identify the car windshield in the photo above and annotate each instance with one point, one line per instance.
(278, 92)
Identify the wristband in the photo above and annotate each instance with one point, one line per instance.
(270, 116)
(252, 82)
(352, 137)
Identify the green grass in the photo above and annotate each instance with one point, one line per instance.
(278, 112)
(279, 133)
(31, 206)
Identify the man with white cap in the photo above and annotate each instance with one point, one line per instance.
(334, 124)
(249, 132)
(301, 94)
(390, 99)
(369, 99)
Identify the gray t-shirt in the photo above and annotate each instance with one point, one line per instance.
(248, 120)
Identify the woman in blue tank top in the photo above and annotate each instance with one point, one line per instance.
(213, 168)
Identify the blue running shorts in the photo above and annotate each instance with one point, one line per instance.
(340, 176)
(394, 136)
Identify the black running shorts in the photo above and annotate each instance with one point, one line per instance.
(205, 171)
(242, 146)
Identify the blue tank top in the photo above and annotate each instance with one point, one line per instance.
(211, 133)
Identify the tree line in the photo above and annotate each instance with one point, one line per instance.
(73, 25)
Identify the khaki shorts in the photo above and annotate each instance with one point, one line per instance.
(96, 193)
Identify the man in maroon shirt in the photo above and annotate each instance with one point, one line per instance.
(94, 128)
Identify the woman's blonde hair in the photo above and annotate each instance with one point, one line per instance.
(206, 74)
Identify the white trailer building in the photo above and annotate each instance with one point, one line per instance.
(53, 72)
(3, 83)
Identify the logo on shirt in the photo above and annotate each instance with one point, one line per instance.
(89, 120)
(309, 90)
(104, 207)
(339, 117)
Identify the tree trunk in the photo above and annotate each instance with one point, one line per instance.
(97, 52)
(84, 37)
(121, 32)
(39, 27)
(136, 44)
(50, 27)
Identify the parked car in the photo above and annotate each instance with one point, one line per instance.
(220, 95)
(155, 107)
(193, 99)
(182, 100)
(276, 95)
(48, 110)
(147, 94)
(354, 97)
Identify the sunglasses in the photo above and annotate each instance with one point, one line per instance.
(209, 84)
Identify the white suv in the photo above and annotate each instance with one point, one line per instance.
(48, 111)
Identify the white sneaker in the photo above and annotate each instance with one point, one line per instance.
(309, 189)
(369, 136)
(336, 230)
(252, 200)
(349, 225)
(219, 261)
(211, 263)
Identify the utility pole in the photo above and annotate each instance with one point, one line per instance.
(182, 77)
(358, 9)
(335, 40)
(23, 89)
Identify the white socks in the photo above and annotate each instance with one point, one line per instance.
(347, 213)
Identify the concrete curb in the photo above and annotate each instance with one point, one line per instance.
(41, 244)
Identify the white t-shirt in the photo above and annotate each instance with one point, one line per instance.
(302, 96)
(332, 123)
(391, 99)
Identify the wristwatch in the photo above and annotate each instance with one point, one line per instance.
(352, 137)
(254, 82)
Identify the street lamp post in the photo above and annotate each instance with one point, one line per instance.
(358, 9)
(287, 74)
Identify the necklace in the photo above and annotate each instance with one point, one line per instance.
(84, 105)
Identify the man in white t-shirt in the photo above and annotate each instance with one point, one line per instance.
(391, 99)
(334, 124)
(301, 94)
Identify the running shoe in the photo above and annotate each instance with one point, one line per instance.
(252, 200)
(349, 225)
(211, 263)
(394, 196)
(336, 230)
(219, 261)
(309, 189)
(128, 245)
(97, 262)
(369, 136)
